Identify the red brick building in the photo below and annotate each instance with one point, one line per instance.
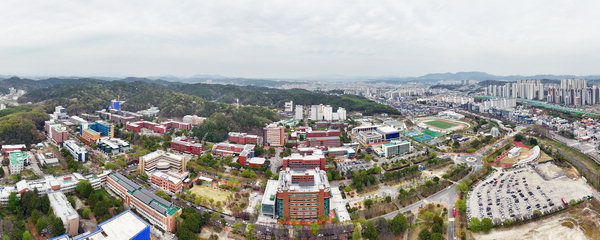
(297, 161)
(244, 138)
(186, 146)
(303, 195)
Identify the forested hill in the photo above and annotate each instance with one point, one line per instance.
(273, 97)
(248, 95)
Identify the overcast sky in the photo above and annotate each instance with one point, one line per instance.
(277, 38)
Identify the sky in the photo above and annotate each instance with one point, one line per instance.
(298, 39)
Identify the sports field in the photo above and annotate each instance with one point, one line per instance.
(210, 193)
(441, 124)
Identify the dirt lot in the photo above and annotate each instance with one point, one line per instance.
(211, 193)
(581, 222)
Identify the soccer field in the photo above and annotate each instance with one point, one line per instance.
(441, 124)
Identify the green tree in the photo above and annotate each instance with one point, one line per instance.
(86, 213)
(368, 203)
(462, 187)
(475, 224)
(45, 204)
(437, 236)
(398, 224)
(370, 231)
(425, 234)
(357, 234)
(26, 235)
(347, 189)
(13, 202)
(247, 173)
(40, 224)
(57, 227)
(461, 205)
(486, 224)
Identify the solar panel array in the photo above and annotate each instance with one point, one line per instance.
(142, 194)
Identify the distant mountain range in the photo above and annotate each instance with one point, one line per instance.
(268, 82)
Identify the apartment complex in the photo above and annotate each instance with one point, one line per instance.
(159, 212)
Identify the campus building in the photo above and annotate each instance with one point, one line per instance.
(124, 226)
(63, 209)
(298, 161)
(105, 129)
(160, 128)
(393, 148)
(244, 152)
(244, 138)
(323, 138)
(186, 145)
(113, 145)
(90, 135)
(274, 136)
(158, 211)
(6, 149)
(302, 195)
(56, 132)
(166, 170)
(79, 153)
(17, 160)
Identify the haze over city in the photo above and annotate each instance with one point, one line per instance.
(298, 39)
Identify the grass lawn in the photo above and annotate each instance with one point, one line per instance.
(441, 124)
(211, 193)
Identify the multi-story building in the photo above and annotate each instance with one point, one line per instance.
(17, 160)
(6, 149)
(296, 161)
(289, 106)
(325, 112)
(161, 161)
(186, 145)
(323, 142)
(56, 132)
(299, 112)
(79, 153)
(244, 152)
(90, 135)
(59, 113)
(302, 195)
(161, 128)
(158, 211)
(167, 181)
(393, 148)
(113, 145)
(125, 225)
(65, 211)
(193, 119)
(105, 129)
(274, 136)
(244, 138)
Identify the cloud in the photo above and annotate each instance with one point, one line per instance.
(279, 38)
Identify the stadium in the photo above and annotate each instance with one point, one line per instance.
(441, 125)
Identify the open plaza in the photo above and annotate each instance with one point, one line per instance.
(516, 193)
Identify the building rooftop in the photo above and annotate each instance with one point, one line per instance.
(124, 226)
(155, 202)
(61, 206)
(270, 192)
(17, 157)
(319, 182)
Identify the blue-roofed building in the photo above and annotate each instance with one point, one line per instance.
(125, 226)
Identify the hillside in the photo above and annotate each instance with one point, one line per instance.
(272, 97)
(89, 97)
(147, 89)
(21, 125)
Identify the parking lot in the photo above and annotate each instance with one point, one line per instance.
(517, 193)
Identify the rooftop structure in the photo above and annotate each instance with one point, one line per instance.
(113, 145)
(125, 226)
(17, 160)
(307, 185)
(157, 210)
(9, 148)
(162, 161)
(63, 209)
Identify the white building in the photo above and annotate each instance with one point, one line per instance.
(299, 113)
(17, 160)
(289, 106)
(63, 209)
(79, 153)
